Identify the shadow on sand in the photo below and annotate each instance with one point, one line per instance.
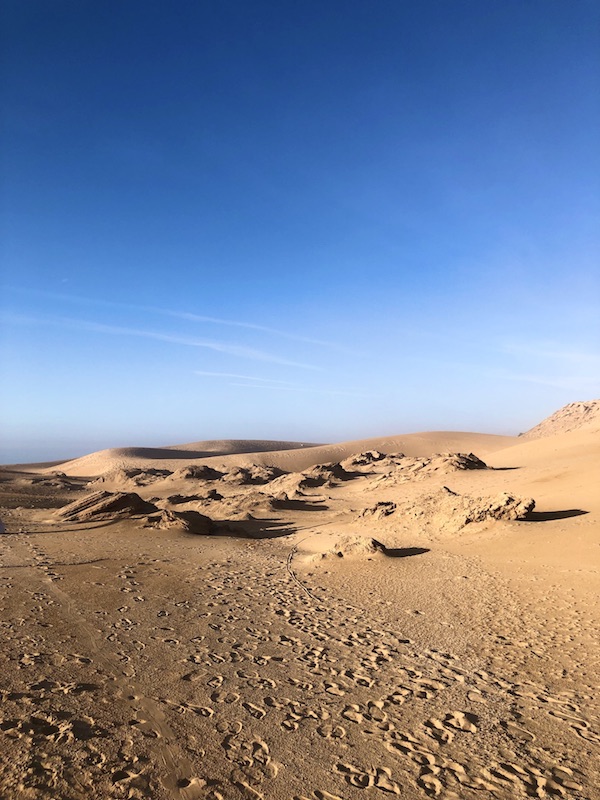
(299, 505)
(252, 529)
(546, 516)
(404, 552)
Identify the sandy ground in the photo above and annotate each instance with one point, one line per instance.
(459, 662)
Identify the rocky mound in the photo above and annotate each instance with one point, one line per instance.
(400, 468)
(349, 546)
(180, 499)
(200, 472)
(124, 477)
(572, 417)
(291, 485)
(380, 510)
(446, 510)
(246, 505)
(105, 506)
(362, 459)
(326, 475)
(186, 521)
(252, 475)
(57, 480)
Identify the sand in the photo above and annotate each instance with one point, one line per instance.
(389, 626)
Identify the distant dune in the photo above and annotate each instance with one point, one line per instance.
(292, 456)
(411, 444)
(579, 417)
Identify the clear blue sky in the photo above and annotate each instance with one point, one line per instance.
(304, 220)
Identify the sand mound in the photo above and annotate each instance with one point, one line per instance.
(130, 478)
(105, 505)
(187, 521)
(350, 546)
(446, 510)
(572, 417)
(180, 499)
(362, 460)
(197, 472)
(245, 506)
(400, 468)
(291, 485)
(380, 510)
(326, 475)
(252, 475)
(57, 480)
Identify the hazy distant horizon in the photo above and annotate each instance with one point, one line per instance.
(42, 451)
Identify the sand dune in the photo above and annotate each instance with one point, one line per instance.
(401, 624)
(583, 415)
(165, 457)
(295, 457)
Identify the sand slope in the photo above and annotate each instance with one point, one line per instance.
(574, 416)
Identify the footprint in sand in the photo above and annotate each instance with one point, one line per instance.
(462, 721)
(378, 778)
(225, 697)
(330, 731)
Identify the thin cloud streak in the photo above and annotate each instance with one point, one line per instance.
(185, 315)
(307, 389)
(240, 377)
(249, 325)
(239, 351)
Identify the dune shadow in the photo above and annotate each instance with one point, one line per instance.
(404, 552)
(547, 516)
(503, 469)
(299, 505)
(253, 529)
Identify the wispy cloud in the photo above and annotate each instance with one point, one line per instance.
(240, 351)
(254, 382)
(240, 377)
(187, 316)
(247, 325)
(302, 389)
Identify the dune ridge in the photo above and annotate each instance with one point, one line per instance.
(294, 458)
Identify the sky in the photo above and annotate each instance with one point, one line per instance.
(315, 221)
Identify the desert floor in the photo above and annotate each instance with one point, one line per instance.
(461, 661)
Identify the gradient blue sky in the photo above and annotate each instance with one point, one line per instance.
(314, 221)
